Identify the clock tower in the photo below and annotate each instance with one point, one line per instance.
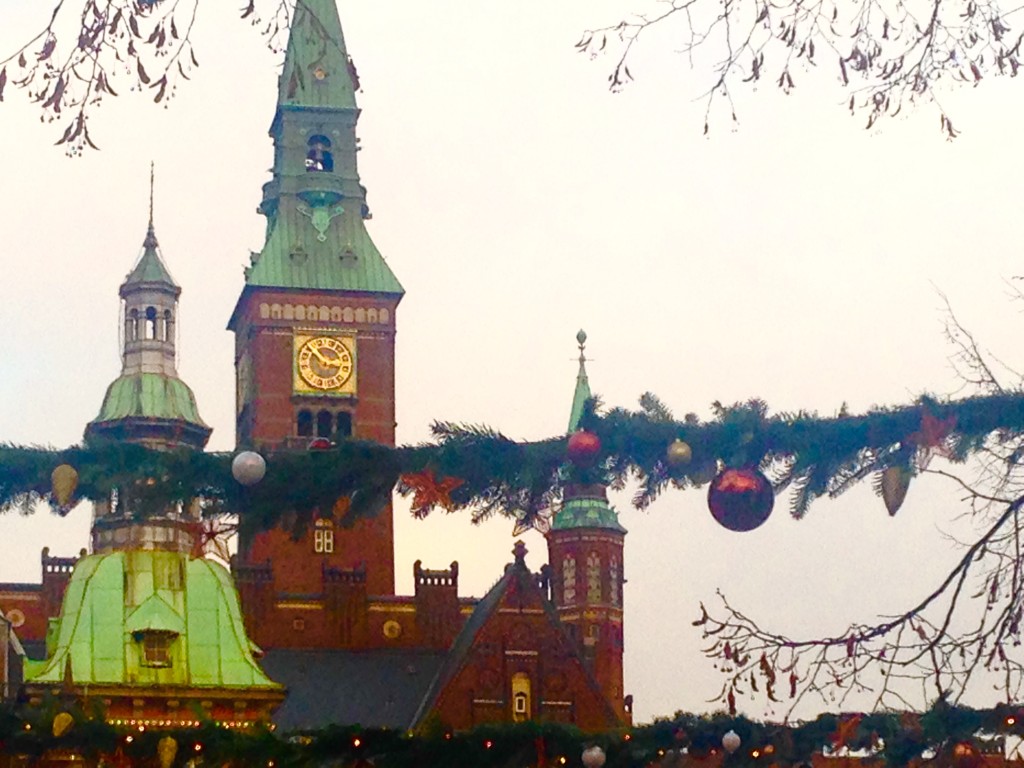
(315, 323)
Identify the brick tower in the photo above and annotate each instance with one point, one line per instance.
(315, 323)
(585, 546)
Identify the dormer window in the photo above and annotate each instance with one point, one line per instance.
(319, 158)
(156, 647)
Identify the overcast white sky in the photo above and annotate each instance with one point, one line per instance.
(796, 259)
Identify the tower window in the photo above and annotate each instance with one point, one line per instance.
(132, 329)
(593, 578)
(304, 424)
(156, 648)
(324, 424)
(150, 322)
(323, 537)
(344, 424)
(569, 580)
(319, 158)
(168, 333)
(613, 581)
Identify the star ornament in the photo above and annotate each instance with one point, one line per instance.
(846, 731)
(540, 521)
(210, 537)
(738, 482)
(932, 438)
(429, 492)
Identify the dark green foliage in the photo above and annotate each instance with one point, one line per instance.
(897, 738)
(814, 455)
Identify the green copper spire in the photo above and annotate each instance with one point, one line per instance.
(582, 393)
(584, 506)
(150, 267)
(317, 71)
(315, 204)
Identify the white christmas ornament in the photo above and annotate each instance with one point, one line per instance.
(593, 757)
(731, 742)
(248, 467)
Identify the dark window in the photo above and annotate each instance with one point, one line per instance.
(304, 424)
(344, 424)
(319, 157)
(324, 424)
(156, 649)
(150, 323)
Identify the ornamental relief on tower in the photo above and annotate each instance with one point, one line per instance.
(323, 314)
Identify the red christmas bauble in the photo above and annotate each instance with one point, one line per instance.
(583, 447)
(740, 499)
(966, 755)
(319, 444)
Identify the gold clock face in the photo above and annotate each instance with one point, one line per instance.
(325, 363)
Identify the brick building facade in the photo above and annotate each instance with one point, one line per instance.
(314, 328)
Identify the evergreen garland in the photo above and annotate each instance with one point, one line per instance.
(815, 455)
(893, 737)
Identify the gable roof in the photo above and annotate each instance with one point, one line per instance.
(516, 575)
(375, 689)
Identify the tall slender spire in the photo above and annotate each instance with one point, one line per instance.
(582, 393)
(317, 69)
(150, 241)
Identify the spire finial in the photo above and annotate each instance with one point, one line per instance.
(582, 393)
(151, 233)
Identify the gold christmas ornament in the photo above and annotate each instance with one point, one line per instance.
(679, 453)
(895, 483)
(166, 750)
(64, 481)
(62, 724)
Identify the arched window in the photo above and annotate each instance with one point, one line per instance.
(344, 424)
(593, 578)
(304, 424)
(319, 157)
(613, 581)
(168, 325)
(132, 331)
(520, 697)
(569, 580)
(150, 322)
(324, 424)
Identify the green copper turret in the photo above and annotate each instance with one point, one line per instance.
(148, 403)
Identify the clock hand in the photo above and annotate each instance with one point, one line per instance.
(320, 356)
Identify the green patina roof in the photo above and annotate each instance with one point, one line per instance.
(347, 259)
(149, 396)
(155, 615)
(582, 393)
(112, 596)
(316, 45)
(586, 512)
(150, 268)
